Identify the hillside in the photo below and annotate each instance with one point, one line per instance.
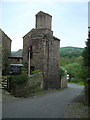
(17, 53)
(71, 51)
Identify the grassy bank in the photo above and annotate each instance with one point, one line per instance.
(80, 83)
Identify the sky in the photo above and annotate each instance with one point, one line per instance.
(69, 20)
(89, 13)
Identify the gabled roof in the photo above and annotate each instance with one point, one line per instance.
(20, 65)
(55, 38)
(5, 34)
(42, 13)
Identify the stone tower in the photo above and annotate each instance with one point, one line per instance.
(45, 51)
(43, 20)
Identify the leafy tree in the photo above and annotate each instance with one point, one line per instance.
(62, 72)
(70, 51)
(74, 63)
(86, 54)
(64, 61)
(74, 71)
(79, 59)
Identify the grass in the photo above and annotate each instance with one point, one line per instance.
(80, 83)
(38, 93)
(52, 90)
(5, 76)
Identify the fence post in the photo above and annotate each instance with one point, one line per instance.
(9, 84)
(88, 91)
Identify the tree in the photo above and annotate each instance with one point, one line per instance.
(86, 54)
(74, 70)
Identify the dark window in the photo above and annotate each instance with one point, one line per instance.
(15, 69)
(32, 68)
(18, 59)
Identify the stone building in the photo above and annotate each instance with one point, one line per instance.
(6, 47)
(45, 50)
(7, 57)
(16, 57)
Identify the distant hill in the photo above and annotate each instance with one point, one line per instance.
(16, 53)
(71, 51)
(13, 51)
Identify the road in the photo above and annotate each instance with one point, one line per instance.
(45, 106)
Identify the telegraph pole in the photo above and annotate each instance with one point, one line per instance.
(29, 49)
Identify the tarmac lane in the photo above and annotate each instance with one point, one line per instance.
(50, 105)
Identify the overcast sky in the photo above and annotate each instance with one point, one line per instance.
(69, 20)
(89, 13)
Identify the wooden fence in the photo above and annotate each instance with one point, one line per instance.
(6, 83)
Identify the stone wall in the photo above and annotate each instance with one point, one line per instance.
(6, 45)
(0, 55)
(15, 60)
(45, 51)
(45, 55)
(54, 63)
(87, 91)
(38, 47)
(43, 20)
(34, 83)
(64, 81)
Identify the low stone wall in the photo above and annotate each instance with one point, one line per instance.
(88, 91)
(64, 81)
(33, 84)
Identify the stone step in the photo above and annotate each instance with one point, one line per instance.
(0, 86)
(3, 86)
(3, 83)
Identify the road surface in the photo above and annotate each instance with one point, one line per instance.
(45, 106)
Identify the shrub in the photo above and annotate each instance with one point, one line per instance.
(73, 70)
(62, 72)
(18, 79)
(23, 70)
(77, 72)
(35, 71)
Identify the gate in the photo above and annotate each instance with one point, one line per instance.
(6, 83)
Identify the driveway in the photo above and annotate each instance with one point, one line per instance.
(51, 105)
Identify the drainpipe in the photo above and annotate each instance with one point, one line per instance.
(47, 61)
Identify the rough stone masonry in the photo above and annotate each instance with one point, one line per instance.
(45, 51)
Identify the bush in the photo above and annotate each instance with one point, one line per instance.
(18, 79)
(23, 70)
(62, 72)
(77, 72)
(34, 72)
(73, 70)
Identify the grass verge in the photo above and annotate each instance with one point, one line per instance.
(80, 83)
